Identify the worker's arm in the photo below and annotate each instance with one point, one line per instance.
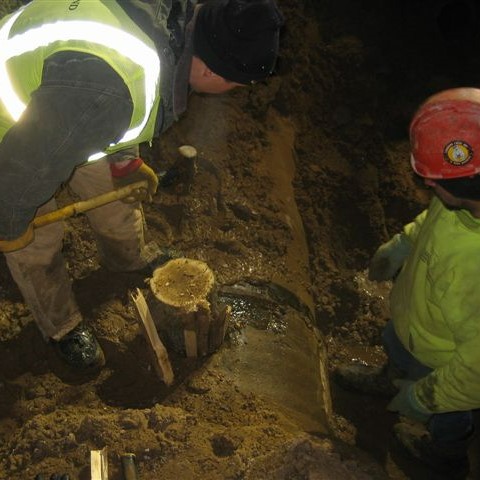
(131, 171)
(390, 256)
(80, 108)
(410, 231)
(405, 403)
(456, 385)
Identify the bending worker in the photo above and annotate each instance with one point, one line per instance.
(82, 83)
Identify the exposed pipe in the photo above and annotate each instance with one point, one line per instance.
(274, 348)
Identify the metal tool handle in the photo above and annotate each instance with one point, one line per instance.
(137, 190)
(129, 467)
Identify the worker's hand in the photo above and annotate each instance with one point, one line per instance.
(134, 171)
(406, 403)
(18, 243)
(389, 258)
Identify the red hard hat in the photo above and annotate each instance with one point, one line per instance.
(445, 135)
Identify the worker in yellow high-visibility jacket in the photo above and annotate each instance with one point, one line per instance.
(82, 84)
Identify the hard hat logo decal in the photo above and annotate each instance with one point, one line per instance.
(457, 153)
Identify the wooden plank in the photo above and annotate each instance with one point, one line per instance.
(202, 320)
(190, 337)
(129, 466)
(99, 464)
(158, 352)
(218, 328)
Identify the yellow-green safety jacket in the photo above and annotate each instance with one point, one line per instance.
(101, 28)
(435, 306)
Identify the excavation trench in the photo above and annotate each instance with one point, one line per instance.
(272, 347)
(279, 353)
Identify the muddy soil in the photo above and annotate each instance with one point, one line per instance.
(350, 75)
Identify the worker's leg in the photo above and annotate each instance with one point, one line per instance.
(118, 226)
(444, 443)
(451, 433)
(401, 362)
(41, 275)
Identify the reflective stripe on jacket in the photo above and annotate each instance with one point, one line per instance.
(435, 306)
(41, 28)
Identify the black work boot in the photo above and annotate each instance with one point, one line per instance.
(80, 349)
(368, 379)
(449, 462)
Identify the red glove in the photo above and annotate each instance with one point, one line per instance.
(122, 169)
(133, 171)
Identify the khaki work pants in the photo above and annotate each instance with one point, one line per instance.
(40, 269)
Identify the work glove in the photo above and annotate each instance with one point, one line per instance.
(133, 171)
(389, 258)
(406, 403)
(18, 243)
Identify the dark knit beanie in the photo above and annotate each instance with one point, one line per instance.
(238, 39)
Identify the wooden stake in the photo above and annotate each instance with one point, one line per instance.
(218, 328)
(202, 320)
(99, 464)
(158, 352)
(190, 334)
(190, 338)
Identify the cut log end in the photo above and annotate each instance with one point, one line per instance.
(186, 309)
(183, 283)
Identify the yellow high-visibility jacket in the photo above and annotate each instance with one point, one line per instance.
(435, 306)
(101, 28)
